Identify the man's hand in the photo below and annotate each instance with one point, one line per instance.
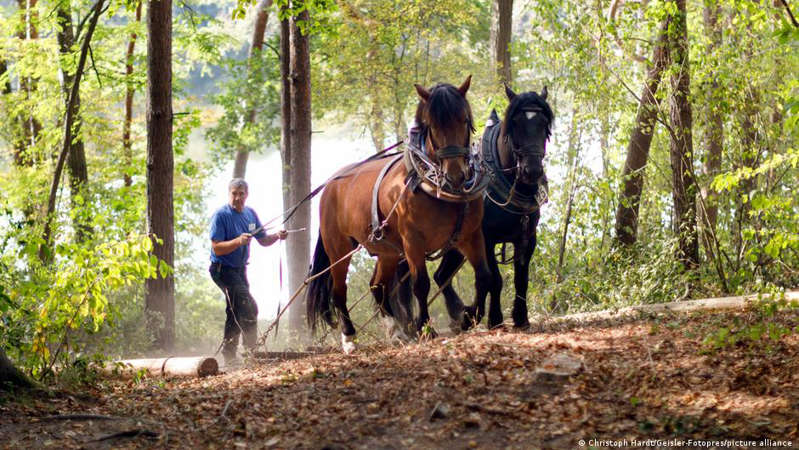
(282, 234)
(244, 239)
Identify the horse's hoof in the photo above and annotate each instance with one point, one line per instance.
(394, 331)
(348, 343)
(469, 319)
(496, 326)
(524, 326)
(495, 322)
(456, 327)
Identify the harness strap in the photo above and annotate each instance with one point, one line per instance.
(421, 168)
(456, 234)
(377, 230)
(501, 190)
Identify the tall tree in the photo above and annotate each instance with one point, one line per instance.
(256, 45)
(31, 127)
(714, 134)
(681, 148)
(76, 160)
(640, 141)
(160, 296)
(298, 247)
(285, 106)
(501, 28)
(69, 117)
(130, 90)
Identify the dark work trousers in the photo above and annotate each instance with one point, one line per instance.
(241, 309)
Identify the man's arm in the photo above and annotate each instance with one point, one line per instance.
(222, 248)
(270, 239)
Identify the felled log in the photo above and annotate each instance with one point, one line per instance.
(199, 366)
(705, 304)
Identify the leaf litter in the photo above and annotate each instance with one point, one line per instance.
(647, 377)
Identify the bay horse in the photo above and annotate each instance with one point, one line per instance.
(513, 149)
(413, 219)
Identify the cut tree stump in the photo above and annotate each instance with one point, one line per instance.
(199, 366)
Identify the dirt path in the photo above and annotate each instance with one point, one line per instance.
(642, 378)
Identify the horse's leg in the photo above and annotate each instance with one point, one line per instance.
(449, 265)
(495, 289)
(521, 276)
(381, 285)
(475, 249)
(338, 273)
(403, 310)
(414, 254)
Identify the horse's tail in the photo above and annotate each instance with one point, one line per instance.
(320, 288)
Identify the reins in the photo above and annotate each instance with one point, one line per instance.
(290, 212)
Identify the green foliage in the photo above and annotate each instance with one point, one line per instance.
(88, 303)
(57, 304)
(762, 329)
(250, 100)
(364, 70)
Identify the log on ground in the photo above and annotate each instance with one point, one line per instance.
(199, 366)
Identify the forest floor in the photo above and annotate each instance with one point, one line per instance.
(649, 381)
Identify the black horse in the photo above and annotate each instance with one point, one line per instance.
(514, 150)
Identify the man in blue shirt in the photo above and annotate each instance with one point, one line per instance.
(231, 231)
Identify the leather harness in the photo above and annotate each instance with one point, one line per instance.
(414, 181)
(501, 189)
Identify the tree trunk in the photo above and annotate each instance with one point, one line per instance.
(749, 158)
(573, 155)
(76, 159)
(69, 115)
(681, 148)
(640, 141)
(30, 125)
(10, 376)
(160, 296)
(257, 44)
(502, 12)
(285, 117)
(299, 244)
(3, 69)
(714, 136)
(127, 144)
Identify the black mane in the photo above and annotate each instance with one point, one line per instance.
(527, 100)
(444, 107)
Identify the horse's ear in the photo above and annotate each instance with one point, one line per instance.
(465, 86)
(509, 92)
(424, 93)
(544, 93)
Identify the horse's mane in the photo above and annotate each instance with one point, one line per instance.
(444, 107)
(524, 101)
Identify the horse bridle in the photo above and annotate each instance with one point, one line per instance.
(529, 149)
(453, 151)
(542, 196)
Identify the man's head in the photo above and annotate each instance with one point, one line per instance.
(237, 190)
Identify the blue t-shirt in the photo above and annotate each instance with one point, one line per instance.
(227, 224)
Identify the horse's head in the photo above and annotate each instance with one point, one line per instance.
(446, 115)
(526, 129)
